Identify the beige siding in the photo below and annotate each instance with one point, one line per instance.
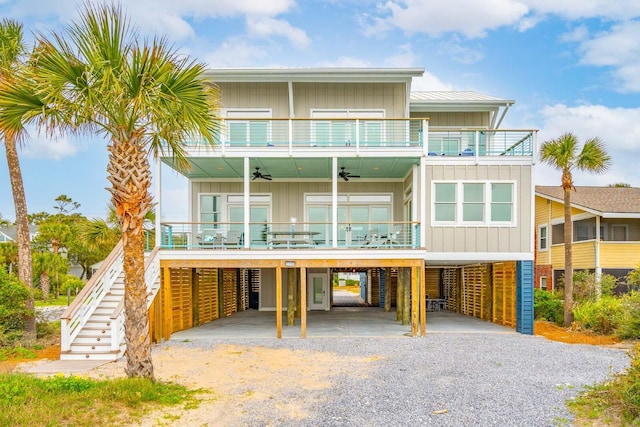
(257, 95)
(472, 119)
(483, 239)
(287, 198)
(388, 96)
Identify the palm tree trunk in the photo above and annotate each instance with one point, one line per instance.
(568, 257)
(45, 285)
(131, 199)
(23, 239)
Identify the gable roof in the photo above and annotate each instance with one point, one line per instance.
(611, 202)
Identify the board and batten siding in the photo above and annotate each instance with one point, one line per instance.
(441, 119)
(287, 198)
(388, 96)
(273, 95)
(458, 238)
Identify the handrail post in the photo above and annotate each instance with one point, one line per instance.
(65, 334)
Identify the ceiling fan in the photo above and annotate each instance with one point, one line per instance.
(346, 175)
(257, 174)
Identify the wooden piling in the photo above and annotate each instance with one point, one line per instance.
(387, 289)
(291, 293)
(406, 295)
(278, 302)
(303, 302)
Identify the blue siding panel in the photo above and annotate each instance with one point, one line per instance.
(524, 297)
(383, 284)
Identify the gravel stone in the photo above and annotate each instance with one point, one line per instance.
(442, 379)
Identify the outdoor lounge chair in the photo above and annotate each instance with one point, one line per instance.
(233, 239)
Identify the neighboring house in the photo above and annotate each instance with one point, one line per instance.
(328, 170)
(606, 232)
(10, 233)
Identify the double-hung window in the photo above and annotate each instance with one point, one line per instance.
(543, 238)
(474, 203)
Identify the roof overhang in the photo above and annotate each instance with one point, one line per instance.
(399, 75)
(614, 215)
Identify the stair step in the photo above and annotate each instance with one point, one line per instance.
(106, 318)
(77, 347)
(92, 340)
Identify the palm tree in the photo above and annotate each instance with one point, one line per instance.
(563, 154)
(147, 100)
(48, 264)
(12, 71)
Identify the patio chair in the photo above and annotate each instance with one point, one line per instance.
(211, 239)
(372, 239)
(233, 239)
(392, 238)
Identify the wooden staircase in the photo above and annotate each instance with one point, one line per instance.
(92, 328)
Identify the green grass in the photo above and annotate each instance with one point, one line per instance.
(616, 402)
(61, 301)
(71, 400)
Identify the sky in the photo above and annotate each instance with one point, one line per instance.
(570, 65)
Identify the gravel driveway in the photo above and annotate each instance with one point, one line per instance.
(443, 379)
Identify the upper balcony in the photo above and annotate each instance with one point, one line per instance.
(404, 137)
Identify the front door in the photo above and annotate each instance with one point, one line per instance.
(318, 291)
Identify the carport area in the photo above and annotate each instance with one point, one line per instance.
(339, 322)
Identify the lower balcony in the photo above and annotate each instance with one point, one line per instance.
(290, 236)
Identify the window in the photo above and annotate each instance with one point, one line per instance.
(501, 202)
(619, 232)
(445, 202)
(543, 283)
(209, 211)
(557, 234)
(246, 126)
(542, 238)
(473, 203)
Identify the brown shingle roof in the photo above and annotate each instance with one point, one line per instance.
(602, 199)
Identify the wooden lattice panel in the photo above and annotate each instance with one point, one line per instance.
(375, 287)
(432, 282)
(475, 285)
(229, 291)
(451, 288)
(207, 295)
(504, 293)
(181, 298)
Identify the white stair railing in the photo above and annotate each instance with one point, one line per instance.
(152, 279)
(78, 313)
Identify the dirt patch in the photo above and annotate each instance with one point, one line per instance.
(51, 352)
(560, 333)
(237, 379)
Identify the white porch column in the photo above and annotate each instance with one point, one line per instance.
(246, 203)
(424, 203)
(158, 227)
(334, 202)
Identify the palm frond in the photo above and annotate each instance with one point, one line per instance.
(593, 157)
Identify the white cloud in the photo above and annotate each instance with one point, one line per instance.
(617, 48)
(619, 128)
(577, 9)
(42, 147)
(578, 34)
(235, 52)
(430, 82)
(403, 57)
(266, 27)
(434, 17)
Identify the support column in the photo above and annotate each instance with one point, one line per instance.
(399, 295)
(291, 301)
(278, 302)
(415, 298)
(387, 289)
(406, 293)
(423, 301)
(298, 296)
(524, 297)
(303, 302)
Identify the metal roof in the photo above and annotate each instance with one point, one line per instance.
(455, 97)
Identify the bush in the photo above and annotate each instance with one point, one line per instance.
(629, 326)
(13, 297)
(547, 306)
(601, 316)
(585, 286)
(71, 282)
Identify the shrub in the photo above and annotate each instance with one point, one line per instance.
(70, 282)
(13, 297)
(601, 316)
(547, 306)
(629, 326)
(585, 285)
